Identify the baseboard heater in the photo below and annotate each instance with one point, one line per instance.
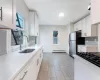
(58, 51)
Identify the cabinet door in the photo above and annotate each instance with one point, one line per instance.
(76, 27)
(95, 11)
(88, 26)
(84, 27)
(14, 14)
(31, 72)
(22, 74)
(91, 30)
(80, 25)
(7, 13)
(36, 25)
(32, 24)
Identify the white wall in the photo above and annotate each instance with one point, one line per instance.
(46, 37)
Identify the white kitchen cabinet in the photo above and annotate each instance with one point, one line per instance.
(91, 30)
(31, 70)
(22, 74)
(78, 26)
(7, 14)
(75, 27)
(86, 27)
(95, 11)
(34, 24)
(28, 73)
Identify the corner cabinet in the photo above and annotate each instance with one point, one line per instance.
(34, 24)
(7, 14)
(95, 11)
(31, 70)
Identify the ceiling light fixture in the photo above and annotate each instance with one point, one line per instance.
(61, 14)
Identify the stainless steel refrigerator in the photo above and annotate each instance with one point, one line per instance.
(75, 39)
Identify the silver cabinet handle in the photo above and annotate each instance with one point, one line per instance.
(1, 13)
(24, 75)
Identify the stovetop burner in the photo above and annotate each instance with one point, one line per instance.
(91, 57)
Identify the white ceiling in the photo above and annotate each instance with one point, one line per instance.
(48, 10)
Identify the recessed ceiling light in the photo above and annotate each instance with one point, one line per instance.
(61, 14)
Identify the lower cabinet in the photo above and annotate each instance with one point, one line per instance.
(31, 70)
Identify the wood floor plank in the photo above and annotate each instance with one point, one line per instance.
(56, 66)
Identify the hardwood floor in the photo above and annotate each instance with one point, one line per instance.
(56, 66)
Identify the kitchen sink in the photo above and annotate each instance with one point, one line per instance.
(27, 51)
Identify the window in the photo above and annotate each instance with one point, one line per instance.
(17, 37)
(55, 37)
(19, 21)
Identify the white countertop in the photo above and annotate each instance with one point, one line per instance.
(89, 64)
(85, 70)
(11, 64)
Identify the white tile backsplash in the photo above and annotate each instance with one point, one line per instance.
(91, 41)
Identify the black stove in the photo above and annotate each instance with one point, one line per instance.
(92, 57)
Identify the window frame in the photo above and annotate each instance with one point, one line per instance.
(19, 22)
(57, 38)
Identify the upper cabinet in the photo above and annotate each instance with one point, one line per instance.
(34, 24)
(85, 26)
(88, 30)
(95, 11)
(77, 26)
(7, 14)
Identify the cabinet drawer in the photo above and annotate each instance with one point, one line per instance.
(21, 74)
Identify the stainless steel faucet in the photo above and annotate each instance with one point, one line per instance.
(27, 41)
